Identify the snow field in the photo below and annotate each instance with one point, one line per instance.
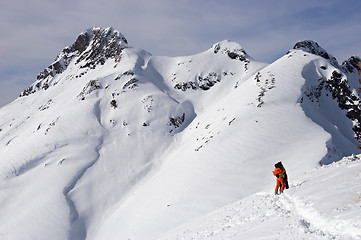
(303, 212)
(97, 156)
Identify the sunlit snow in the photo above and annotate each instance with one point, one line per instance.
(150, 147)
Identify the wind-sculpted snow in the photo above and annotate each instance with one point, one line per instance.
(111, 142)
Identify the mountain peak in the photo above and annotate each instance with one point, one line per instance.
(99, 36)
(232, 49)
(314, 48)
(91, 48)
(101, 44)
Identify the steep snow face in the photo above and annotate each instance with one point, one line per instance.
(130, 145)
(328, 90)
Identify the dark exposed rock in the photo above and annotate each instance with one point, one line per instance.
(177, 121)
(351, 65)
(80, 44)
(238, 56)
(132, 83)
(204, 83)
(234, 52)
(185, 85)
(340, 90)
(91, 48)
(105, 44)
(265, 84)
(89, 88)
(113, 104)
(216, 48)
(313, 47)
(207, 82)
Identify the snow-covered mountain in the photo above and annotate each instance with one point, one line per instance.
(111, 142)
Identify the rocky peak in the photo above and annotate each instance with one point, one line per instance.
(92, 47)
(233, 50)
(351, 65)
(97, 45)
(313, 47)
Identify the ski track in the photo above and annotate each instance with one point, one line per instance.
(266, 216)
(316, 223)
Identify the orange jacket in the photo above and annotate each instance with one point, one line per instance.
(279, 172)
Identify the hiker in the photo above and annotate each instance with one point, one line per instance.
(280, 173)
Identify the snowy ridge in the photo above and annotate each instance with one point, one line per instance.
(133, 146)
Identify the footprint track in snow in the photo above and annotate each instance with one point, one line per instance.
(264, 216)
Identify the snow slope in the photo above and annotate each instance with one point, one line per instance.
(111, 142)
(302, 212)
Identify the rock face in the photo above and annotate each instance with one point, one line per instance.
(340, 90)
(92, 47)
(313, 47)
(351, 65)
(202, 82)
(234, 51)
(337, 84)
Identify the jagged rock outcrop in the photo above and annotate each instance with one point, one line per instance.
(89, 88)
(201, 82)
(351, 65)
(314, 48)
(337, 84)
(340, 89)
(233, 50)
(92, 47)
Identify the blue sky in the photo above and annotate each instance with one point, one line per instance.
(32, 33)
